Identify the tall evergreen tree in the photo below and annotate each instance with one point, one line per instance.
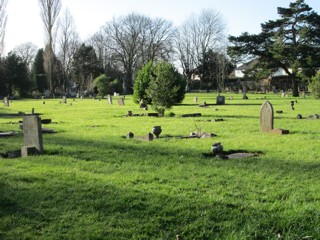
(290, 43)
(85, 67)
(16, 75)
(38, 72)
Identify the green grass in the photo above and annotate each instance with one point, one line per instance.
(91, 183)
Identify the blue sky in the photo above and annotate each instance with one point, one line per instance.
(25, 25)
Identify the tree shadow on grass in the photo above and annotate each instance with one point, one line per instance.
(80, 202)
(90, 207)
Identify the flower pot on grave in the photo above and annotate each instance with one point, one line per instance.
(217, 148)
(156, 130)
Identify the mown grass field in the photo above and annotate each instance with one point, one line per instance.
(92, 183)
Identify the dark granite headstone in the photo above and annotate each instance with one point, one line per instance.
(221, 100)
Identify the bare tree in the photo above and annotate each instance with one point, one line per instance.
(27, 51)
(3, 23)
(196, 36)
(49, 10)
(134, 40)
(157, 38)
(67, 43)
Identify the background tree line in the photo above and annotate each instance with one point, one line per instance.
(125, 44)
(119, 50)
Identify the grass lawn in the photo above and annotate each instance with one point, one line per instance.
(93, 183)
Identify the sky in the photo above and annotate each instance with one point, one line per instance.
(24, 23)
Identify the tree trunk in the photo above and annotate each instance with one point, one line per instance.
(295, 90)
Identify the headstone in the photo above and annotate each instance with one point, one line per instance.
(266, 117)
(109, 99)
(283, 94)
(299, 116)
(195, 99)
(64, 99)
(303, 94)
(130, 135)
(149, 137)
(32, 134)
(292, 105)
(221, 100)
(121, 101)
(143, 105)
(244, 95)
(47, 93)
(6, 102)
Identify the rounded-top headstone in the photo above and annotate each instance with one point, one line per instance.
(266, 117)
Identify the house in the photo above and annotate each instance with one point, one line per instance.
(277, 80)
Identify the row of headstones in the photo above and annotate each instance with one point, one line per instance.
(33, 142)
(109, 97)
(221, 100)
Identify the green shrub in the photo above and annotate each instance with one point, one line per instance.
(142, 83)
(102, 84)
(314, 85)
(166, 88)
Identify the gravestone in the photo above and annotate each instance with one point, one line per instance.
(109, 99)
(266, 117)
(64, 99)
(221, 100)
(244, 95)
(121, 101)
(5, 102)
(149, 137)
(32, 135)
(195, 99)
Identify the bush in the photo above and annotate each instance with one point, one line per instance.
(166, 87)
(141, 84)
(102, 84)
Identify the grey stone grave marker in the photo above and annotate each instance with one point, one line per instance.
(195, 99)
(64, 99)
(5, 102)
(109, 99)
(221, 100)
(121, 101)
(266, 117)
(32, 135)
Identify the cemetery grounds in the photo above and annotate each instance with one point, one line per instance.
(94, 183)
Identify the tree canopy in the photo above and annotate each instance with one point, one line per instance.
(290, 43)
(166, 88)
